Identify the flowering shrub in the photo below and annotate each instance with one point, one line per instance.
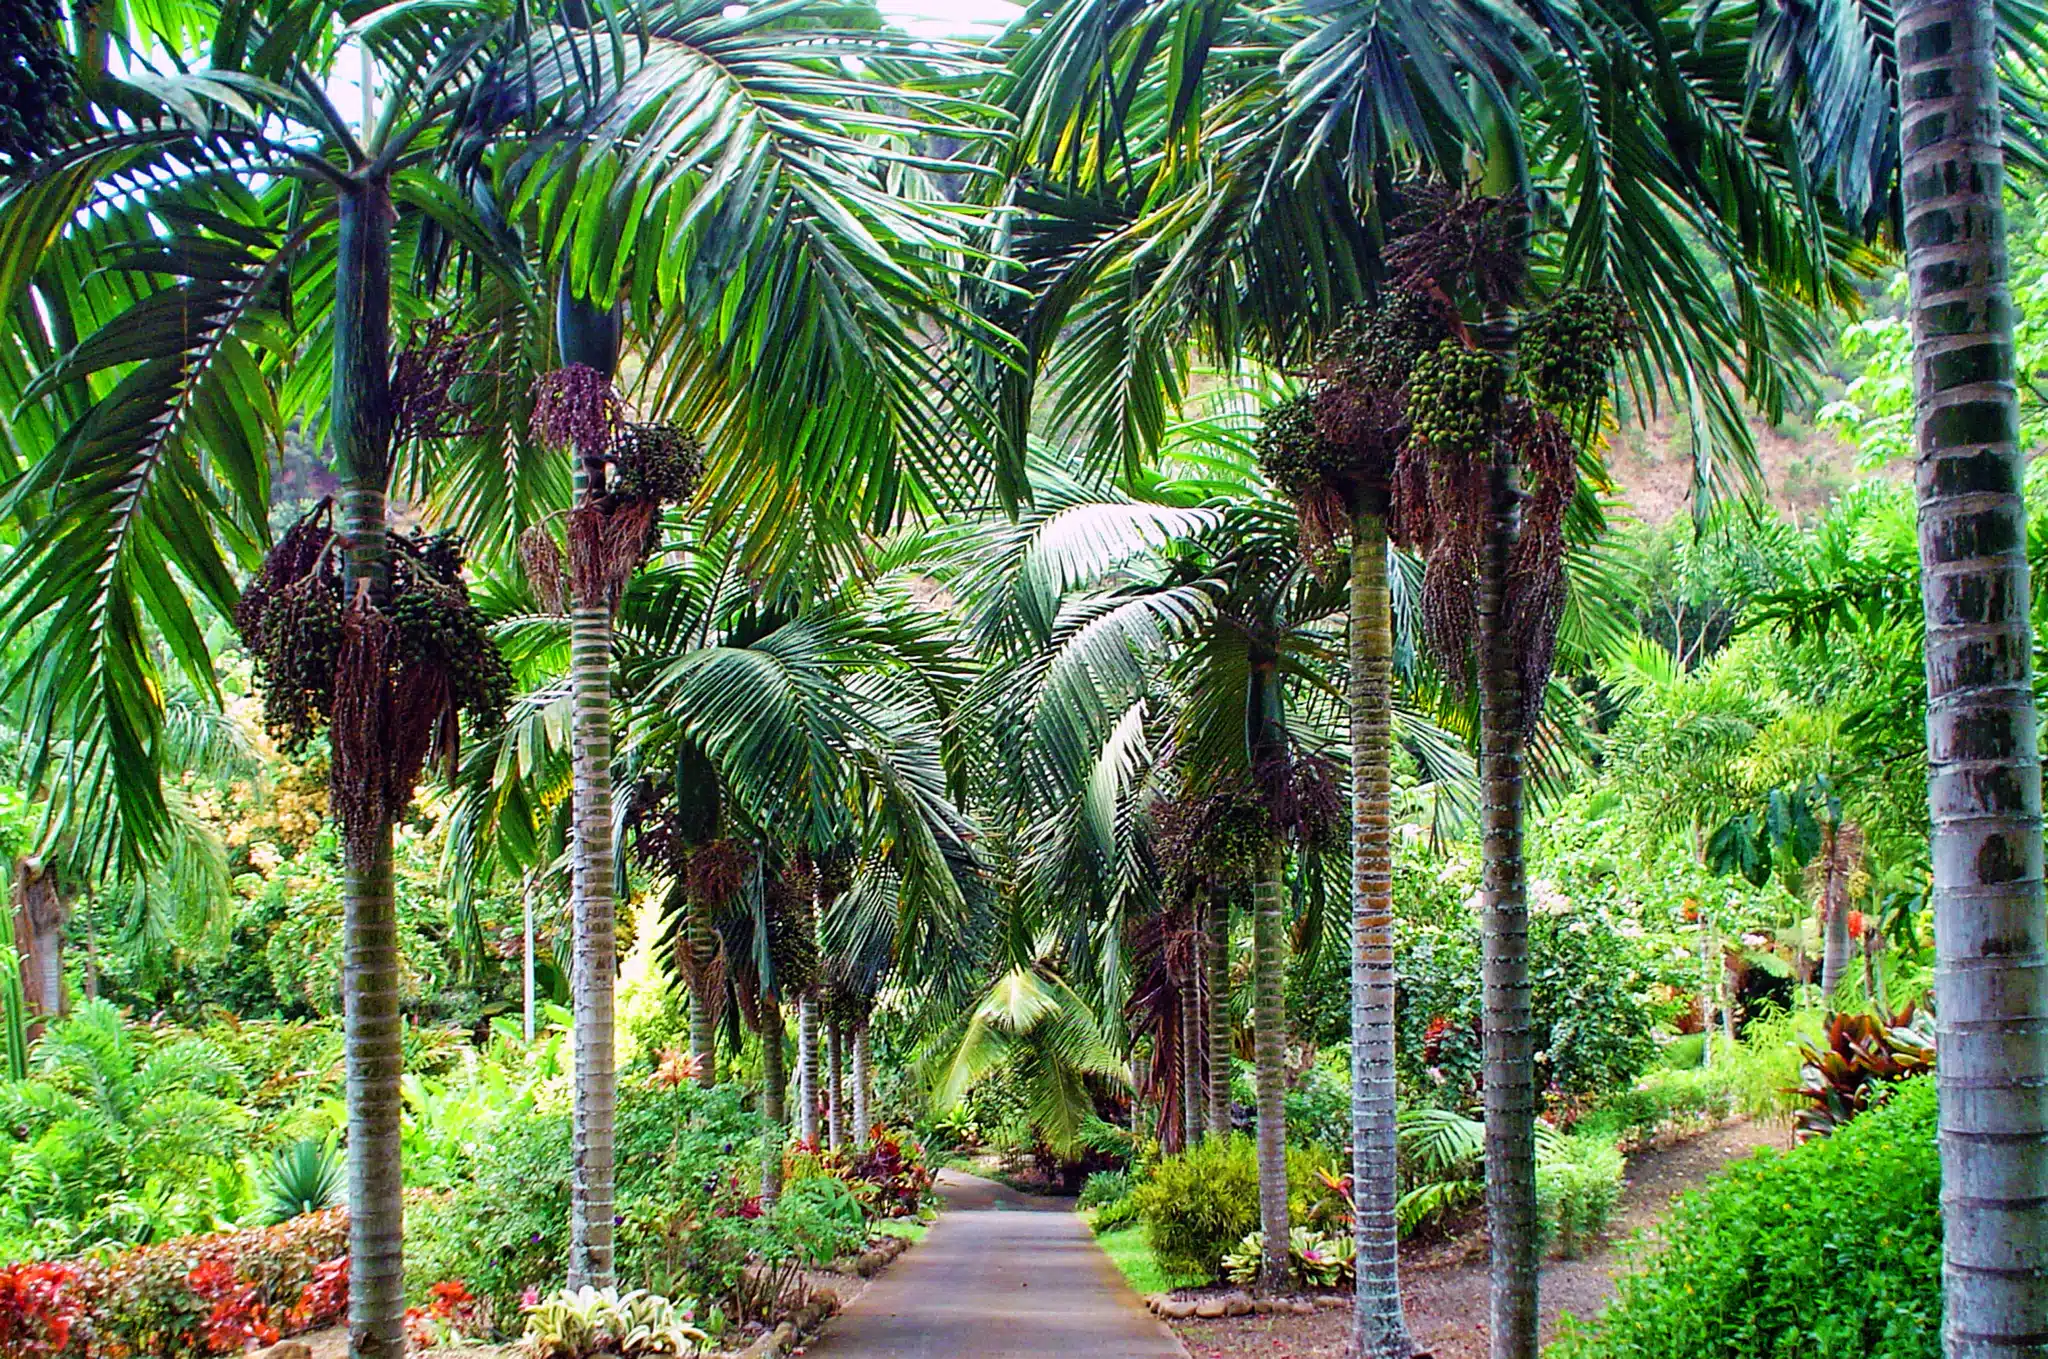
(37, 1310)
(890, 1175)
(452, 1314)
(201, 1295)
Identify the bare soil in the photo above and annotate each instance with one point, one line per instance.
(1443, 1282)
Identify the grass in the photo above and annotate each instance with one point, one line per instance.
(909, 1228)
(1132, 1255)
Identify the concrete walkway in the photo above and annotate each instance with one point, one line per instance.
(1001, 1276)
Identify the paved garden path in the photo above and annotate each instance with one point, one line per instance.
(1001, 1276)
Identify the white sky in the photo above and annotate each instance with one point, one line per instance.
(950, 18)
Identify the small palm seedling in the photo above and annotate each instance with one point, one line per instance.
(301, 1177)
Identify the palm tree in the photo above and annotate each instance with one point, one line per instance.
(1905, 107)
(162, 463)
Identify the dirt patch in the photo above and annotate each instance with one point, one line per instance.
(1443, 1283)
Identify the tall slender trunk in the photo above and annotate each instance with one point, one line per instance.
(1834, 913)
(526, 987)
(1191, 1093)
(1984, 776)
(92, 947)
(1269, 1054)
(594, 908)
(703, 1013)
(835, 1082)
(1378, 1328)
(1219, 1013)
(361, 427)
(807, 1070)
(863, 1117)
(774, 1088)
(1509, 1053)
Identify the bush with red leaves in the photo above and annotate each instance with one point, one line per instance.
(38, 1309)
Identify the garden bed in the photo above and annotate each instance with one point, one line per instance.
(1443, 1279)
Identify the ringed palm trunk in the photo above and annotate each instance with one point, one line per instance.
(1191, 1093)
(774, 1088)
(1834, 912)
(1509, 1052)
(863, 1119)
(1984, 778)
(596, 957)
(1269, 1053)
(835, 1082)
(370, 978)
(703, 1015)
(807, 1070)
(1219, 1027)
(1378, 1328)
(590, 335)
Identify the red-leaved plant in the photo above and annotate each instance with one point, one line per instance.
(37, 1309)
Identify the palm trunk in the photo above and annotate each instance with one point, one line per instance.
(1984, 778)
(1509, 1049)
(1219, 1013)
(1834, 914)
(863, 1118)
(835, 1083)
(807, 1070)
(596, 960)
(361, 421)
(1269, 1043)
(774, 1087)
(1191, 1055)
(703, 1013)
(526, 987)
(1378, 1328)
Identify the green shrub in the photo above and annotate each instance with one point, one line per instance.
(1319, 1102)
(1104, 1187)
(1830, 1251)
(1198, 1205)
(1592, 1029)
(1662, 1100)
(1684, 1052)
(505, 1227)
(1578, 1184)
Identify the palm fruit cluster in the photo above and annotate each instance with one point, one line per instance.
(657, 463)
(1211, 832)
(433, 382)
(1290, 447)
(1454, 398)
(439, 629)
(792, 928)
(1375, 346)
(575, 409)
(37, 86)
(1568, 350)
(291, 617)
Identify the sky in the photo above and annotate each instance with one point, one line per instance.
(950, 18)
